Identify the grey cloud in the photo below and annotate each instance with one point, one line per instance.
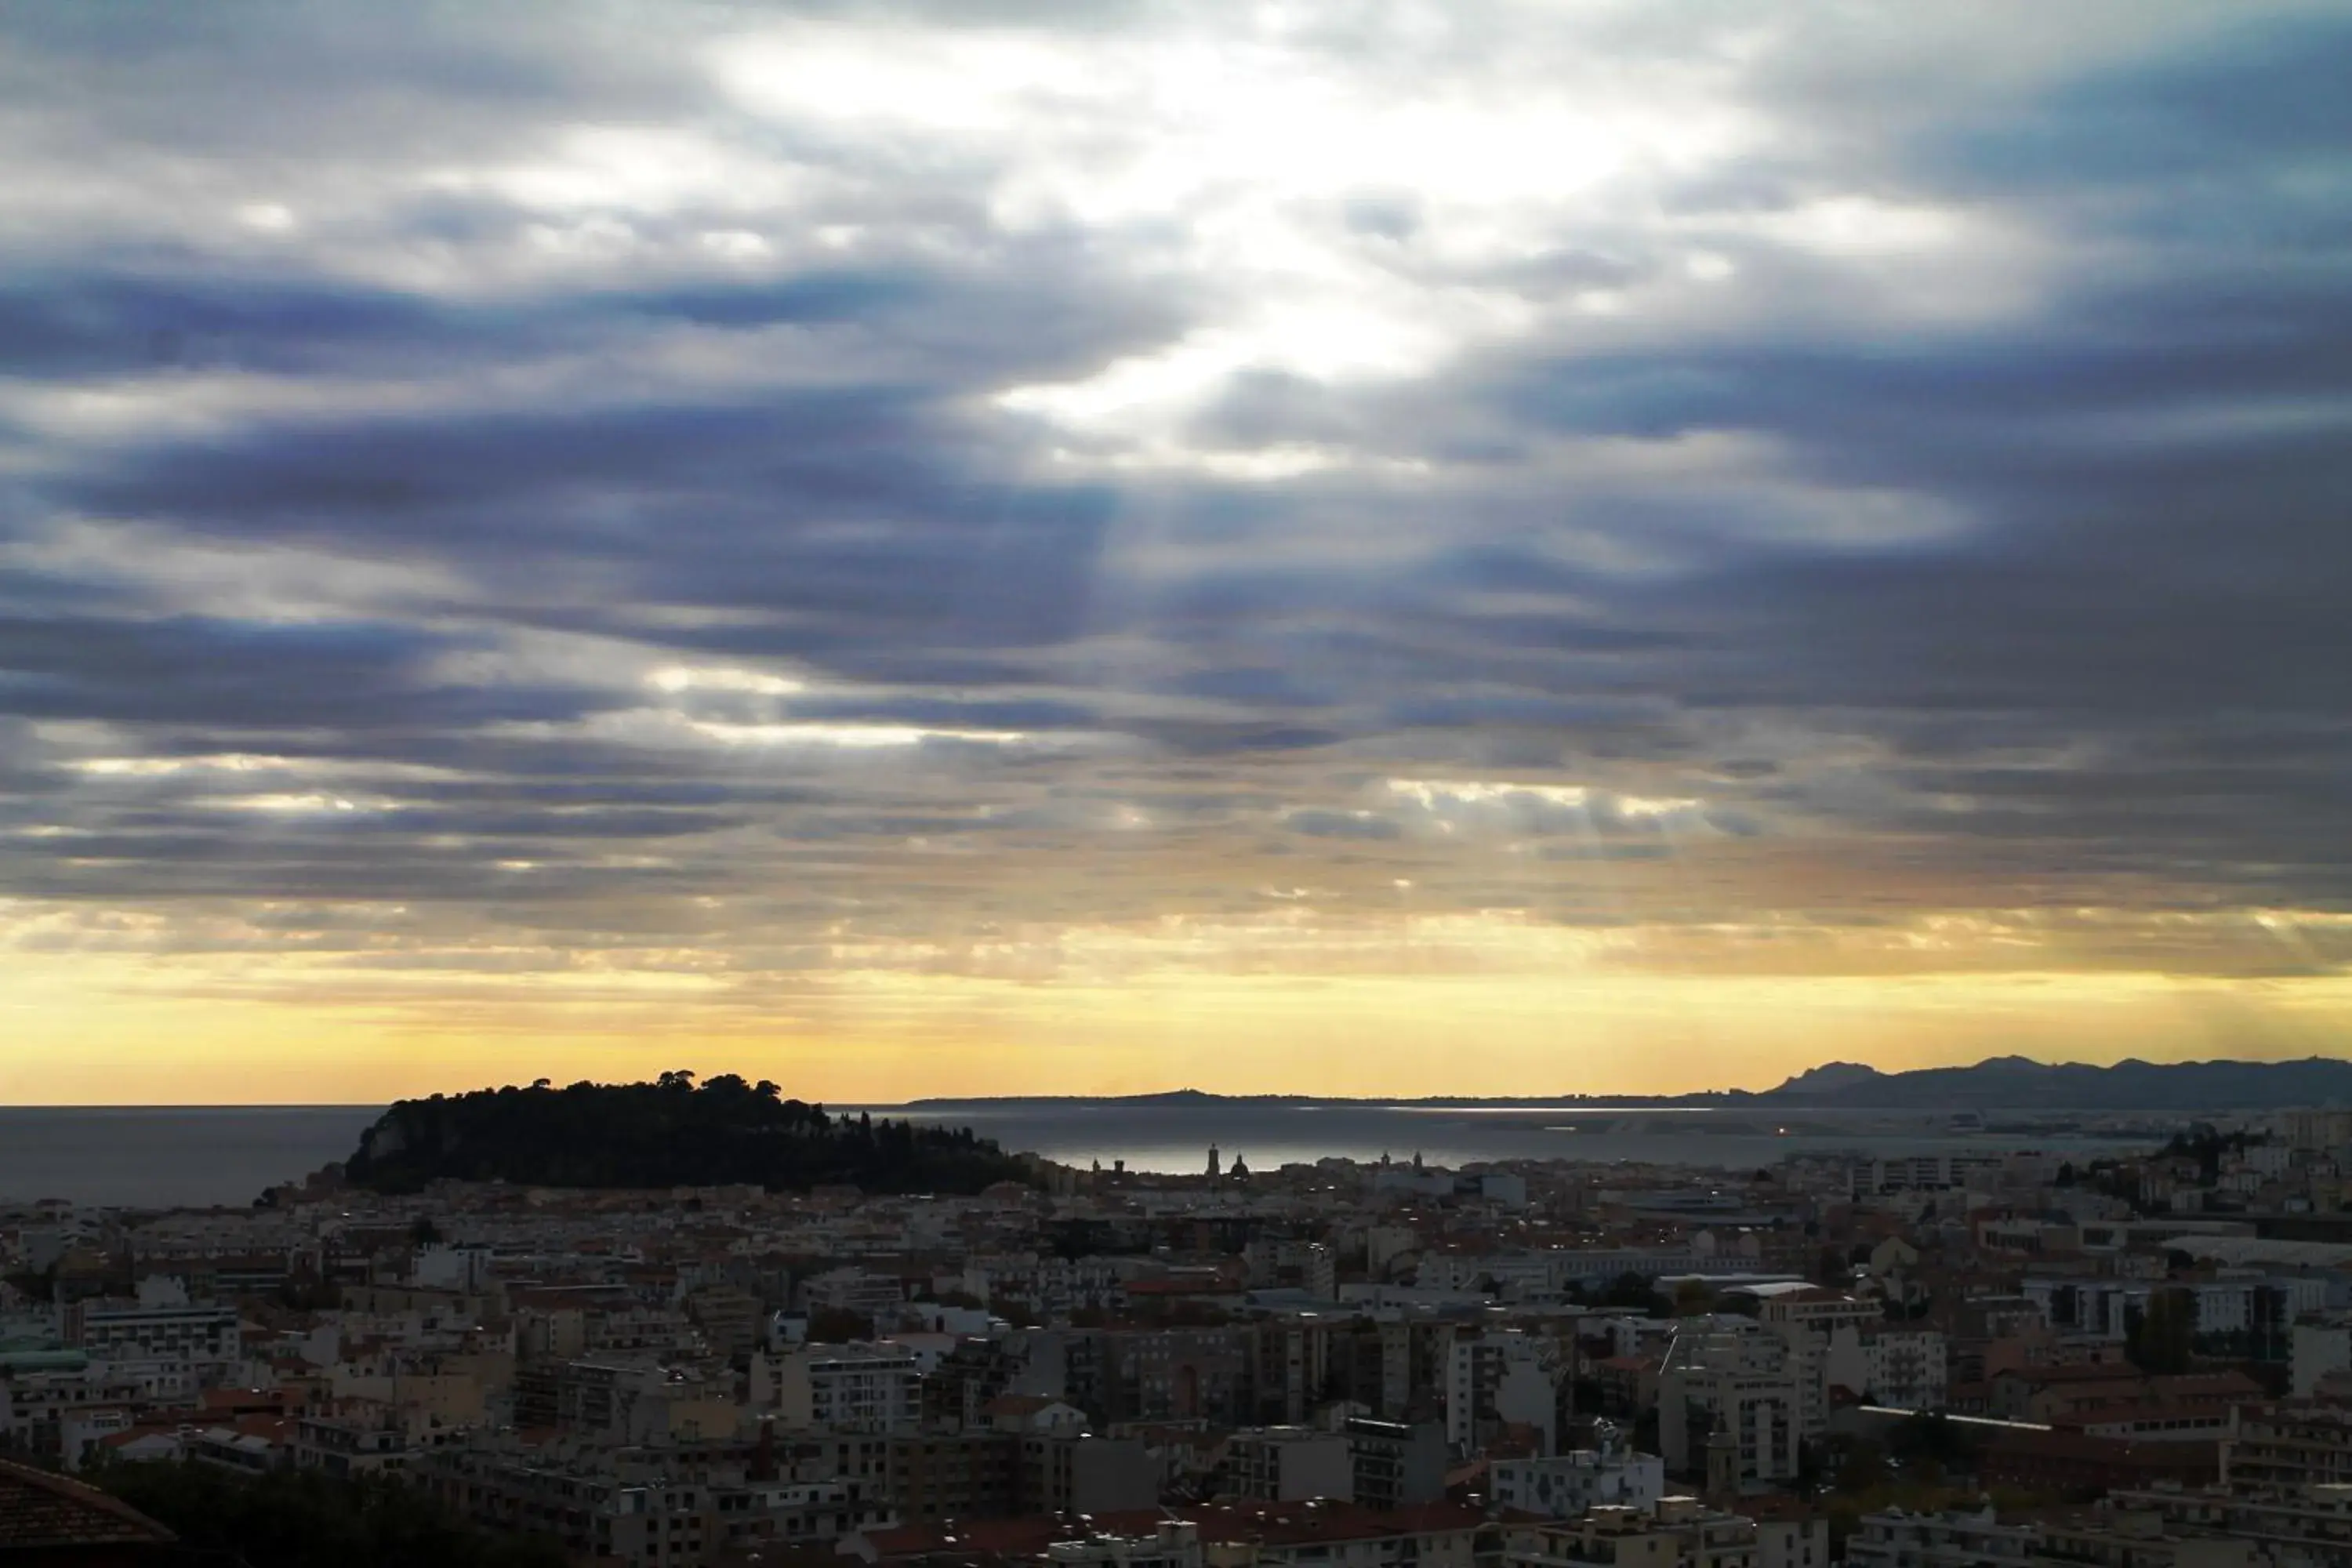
(1576, 852)
(243, 676)
(1341, 824)
(2266, 90)
(2050, 590)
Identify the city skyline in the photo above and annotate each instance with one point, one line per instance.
(968, 550)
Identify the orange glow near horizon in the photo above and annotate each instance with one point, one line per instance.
(106, 1032)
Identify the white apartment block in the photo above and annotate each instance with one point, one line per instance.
(1908, 1369)
(198, 1337)
(1814, 1323)
(1741, 1378)
(1563, 1486)
(1932, 1172)
(853, 1388)
(1499, 1377)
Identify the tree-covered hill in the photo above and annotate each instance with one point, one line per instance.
(662, 1134)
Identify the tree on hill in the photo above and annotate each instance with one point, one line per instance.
(670, 1133)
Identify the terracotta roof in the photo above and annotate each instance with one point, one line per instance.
(241, 1399)
(1777, 1507)
(1027, 1535)
(43, 1512)
(2189, 1384)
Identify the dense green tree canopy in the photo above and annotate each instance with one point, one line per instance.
(287, 1520)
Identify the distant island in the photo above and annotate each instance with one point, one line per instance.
(1997, 1083)
(668, 1133)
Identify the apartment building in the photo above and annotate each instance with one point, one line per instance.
(2289, 1445)
(1289, 1464)
(2308, 1526)
(641, 1514)
(1673, 1532)
(850, 1387)
(2130, 1538)
(1908, 1369)
(1731, 1375)
(1500, 1378)
(202, 1336)
(1563, 1486)
(1173, 1543)
(1957, 1538)
(1395, 1465)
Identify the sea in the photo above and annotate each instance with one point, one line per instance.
(184, 1156)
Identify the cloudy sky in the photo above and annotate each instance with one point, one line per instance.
(1379, 548)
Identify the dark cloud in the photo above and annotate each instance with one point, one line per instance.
(2260, 99)
(1952, 491)
(247, 677)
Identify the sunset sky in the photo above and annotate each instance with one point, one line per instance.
(1076, 546)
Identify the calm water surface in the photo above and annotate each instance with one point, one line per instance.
(1177, 1137)
(161, 1156)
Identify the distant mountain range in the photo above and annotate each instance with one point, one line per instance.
(1997, 1083)
(2019, 1083)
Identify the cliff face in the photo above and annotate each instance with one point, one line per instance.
(664, 1135)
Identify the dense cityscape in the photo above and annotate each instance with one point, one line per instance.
(1419, 783)
(2000, 1356)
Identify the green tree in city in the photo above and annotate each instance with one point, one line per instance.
(309, 1520)
(2163, 1338)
